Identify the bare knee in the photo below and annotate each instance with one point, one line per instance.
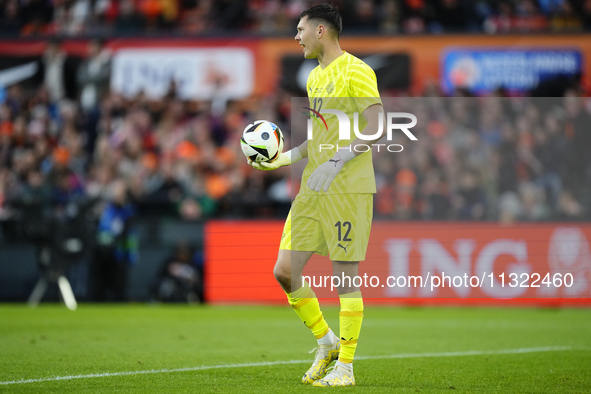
(288, 269)
(282, 273)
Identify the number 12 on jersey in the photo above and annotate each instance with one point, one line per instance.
(344, 226)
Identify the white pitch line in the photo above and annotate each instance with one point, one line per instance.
(271, 363)
(470, 353)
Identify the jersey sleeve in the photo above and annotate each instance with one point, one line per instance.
(363, 86)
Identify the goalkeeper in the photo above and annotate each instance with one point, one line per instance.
(332, 212)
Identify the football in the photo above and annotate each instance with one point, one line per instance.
(262, 141)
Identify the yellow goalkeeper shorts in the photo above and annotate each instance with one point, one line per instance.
(335, 224)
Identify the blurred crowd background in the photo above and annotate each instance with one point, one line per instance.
(497, 158)
(478, 158)
(71, 148)
(92, 17)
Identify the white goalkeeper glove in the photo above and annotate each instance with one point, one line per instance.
(284, 159)
(323, 176)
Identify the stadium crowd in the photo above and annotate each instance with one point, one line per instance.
(96, 17)
(478, 158)
(491, 158)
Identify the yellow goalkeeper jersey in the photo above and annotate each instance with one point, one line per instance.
(349, 85)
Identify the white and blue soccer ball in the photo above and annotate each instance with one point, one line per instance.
(262, 141)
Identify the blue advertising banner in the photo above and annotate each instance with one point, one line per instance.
(483, 70)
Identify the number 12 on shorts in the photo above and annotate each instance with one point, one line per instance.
(346, 226)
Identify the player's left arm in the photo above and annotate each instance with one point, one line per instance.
(362, 86)
(372, 115)
(323, 176)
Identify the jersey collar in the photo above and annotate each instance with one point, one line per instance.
(333, 62)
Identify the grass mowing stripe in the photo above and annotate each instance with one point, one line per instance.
(271, 363)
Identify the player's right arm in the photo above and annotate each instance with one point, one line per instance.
(284, 159)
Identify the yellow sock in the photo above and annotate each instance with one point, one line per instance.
(350, 319)
(305, 304)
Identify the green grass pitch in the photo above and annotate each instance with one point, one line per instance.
(182, 348)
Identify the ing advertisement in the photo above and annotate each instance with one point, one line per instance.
(416, 263)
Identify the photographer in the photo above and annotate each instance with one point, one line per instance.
(116, 248)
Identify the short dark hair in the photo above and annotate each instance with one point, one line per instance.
(328, 13)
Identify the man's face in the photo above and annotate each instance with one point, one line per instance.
(307, 37)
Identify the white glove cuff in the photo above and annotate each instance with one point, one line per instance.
(294, 155)
(345, 154)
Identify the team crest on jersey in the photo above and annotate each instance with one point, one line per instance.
(330, 88)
